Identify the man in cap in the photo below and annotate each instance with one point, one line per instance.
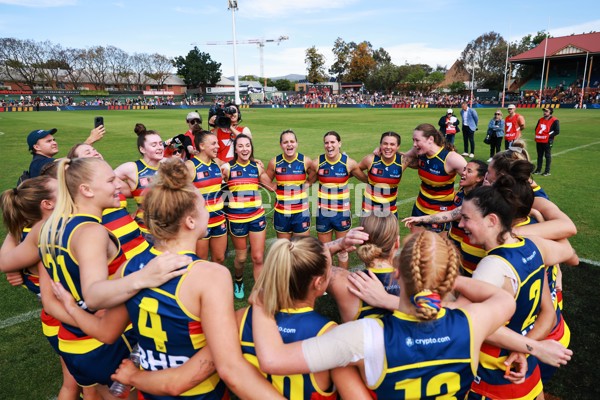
(449, 126)
(43, 146)
(513, 125)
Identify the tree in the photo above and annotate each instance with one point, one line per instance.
(384, 78)
(160, 68)
(315, 62)
(74, 63)
(197, 69)
(283, 85)
(381, 57)
(362, 63)
(343, 54)
(119, 63)
(97, 66)
(140, 66)
(487, 55)
(21, 60)
(457, 87)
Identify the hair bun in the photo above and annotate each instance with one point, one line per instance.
(139, 129)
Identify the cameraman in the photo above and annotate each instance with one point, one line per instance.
(184, 144)
(225, 124)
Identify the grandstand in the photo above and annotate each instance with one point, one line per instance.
(569, 64)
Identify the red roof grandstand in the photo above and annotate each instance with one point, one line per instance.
(563, 46)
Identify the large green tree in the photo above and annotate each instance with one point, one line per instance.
(487, 55)
(197, 69)
(342, 53)
(315, 65)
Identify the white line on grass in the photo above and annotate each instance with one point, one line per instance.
(7, 323)
(575, 148)
(591, 262)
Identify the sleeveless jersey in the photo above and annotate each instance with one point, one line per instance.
(31, 282)
(208, 180)
(294, 325)
(168, 333)
(542, 131)
(426, 360)
(386, 277)
(539, 192)
(437, 186)
(126, 230)
(525, 259)
(145, 173)
(470, 254)
(65, 269)
(333, 184)
(512, 129)
(382, 188)
(291, 194)
(245, 203)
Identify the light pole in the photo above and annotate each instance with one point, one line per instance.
(472, 77)
(232, 5)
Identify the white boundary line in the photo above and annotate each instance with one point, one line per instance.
(17, 319)
(575, 148)
(591, 262)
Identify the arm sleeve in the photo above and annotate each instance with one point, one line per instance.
(494, 270)
(345, 344)
(555, 128)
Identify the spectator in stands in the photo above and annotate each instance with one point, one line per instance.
(449, 126)
(470, 119)
(43, 146)
(514, 124)
(546, 129)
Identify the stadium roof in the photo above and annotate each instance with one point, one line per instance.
(564, 46)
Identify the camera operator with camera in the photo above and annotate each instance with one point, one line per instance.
(225, 124)
(183, 145)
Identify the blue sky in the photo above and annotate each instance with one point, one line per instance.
(432, 32)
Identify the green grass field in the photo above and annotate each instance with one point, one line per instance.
(29, 369)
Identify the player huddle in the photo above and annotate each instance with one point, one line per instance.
(469, 305)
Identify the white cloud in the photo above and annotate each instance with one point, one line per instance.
(40, 3)
(421, 53)
(584, 27)
(283, 8)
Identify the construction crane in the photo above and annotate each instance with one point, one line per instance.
(261, 45)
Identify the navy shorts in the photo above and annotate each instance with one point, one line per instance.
(242, 229)
(216, 231)
(97, 365)
(328, 220)
(291, 223)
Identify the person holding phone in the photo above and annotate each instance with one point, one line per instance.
(43, 146)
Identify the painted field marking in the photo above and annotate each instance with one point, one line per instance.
(575, 148)
(591, 262)
(17, 319)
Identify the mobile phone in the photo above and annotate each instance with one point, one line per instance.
(98, 121)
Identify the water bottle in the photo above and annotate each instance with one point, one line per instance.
(118, 389)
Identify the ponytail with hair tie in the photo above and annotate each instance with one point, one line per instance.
(427, 299)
